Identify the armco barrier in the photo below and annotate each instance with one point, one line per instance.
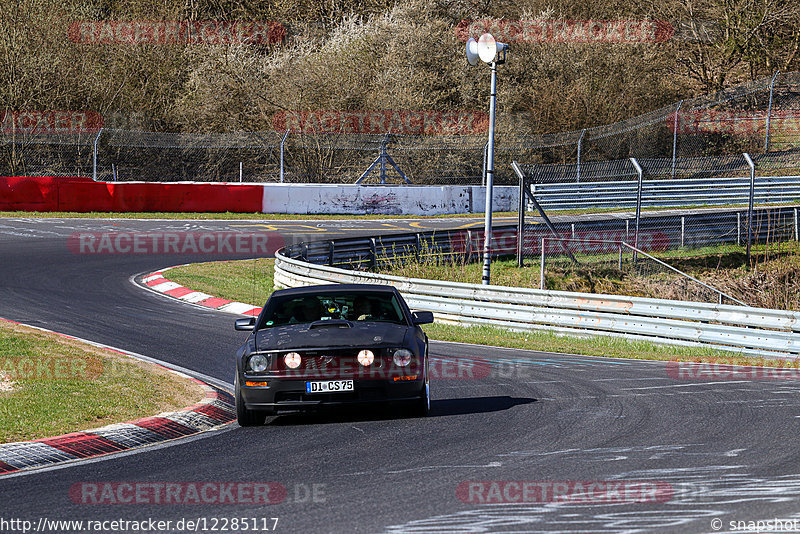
(753, 331)
(84, 195)
(666, 193)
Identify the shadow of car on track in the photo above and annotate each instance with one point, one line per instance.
(439, 408)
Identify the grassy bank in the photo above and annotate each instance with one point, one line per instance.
(240, 280)
(771, 279)
(243, 281)
(56, 385)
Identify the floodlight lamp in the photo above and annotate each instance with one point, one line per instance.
(489, 48)
(472, 51)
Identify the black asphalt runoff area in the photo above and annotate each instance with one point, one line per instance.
(719, 451)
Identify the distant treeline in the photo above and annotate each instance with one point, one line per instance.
(225, 65)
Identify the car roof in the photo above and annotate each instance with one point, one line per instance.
(334, 288)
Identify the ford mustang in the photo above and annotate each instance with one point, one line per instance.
(331, 345)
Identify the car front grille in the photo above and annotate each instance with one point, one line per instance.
(343, 363)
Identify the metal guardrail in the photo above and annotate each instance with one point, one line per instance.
(670, 231)
(754, 331)
(667, 193)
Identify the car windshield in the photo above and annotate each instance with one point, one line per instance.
(356, 306)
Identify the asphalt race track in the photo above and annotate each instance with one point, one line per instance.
(722, 450)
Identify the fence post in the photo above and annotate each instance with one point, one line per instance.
(769, 110)
(485, 155)
(638, 207)
(619, 260)
(373, 253)
(675, 138)
(283, 142)
(796, 227)
(683, 231)
(738, 228)
(94, 156)
(331, 247)
(750, 203)
(240, 171)
(541, 267)
(580, 145)
(521, 223)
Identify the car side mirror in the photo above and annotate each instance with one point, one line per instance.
(422, 317)
(248, 323)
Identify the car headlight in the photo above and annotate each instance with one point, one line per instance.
(258, 363)
(366, 357)
(292, 360)
(402, 357)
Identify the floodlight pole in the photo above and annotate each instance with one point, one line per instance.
(487, 238)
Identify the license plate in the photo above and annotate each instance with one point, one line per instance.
(329, 386)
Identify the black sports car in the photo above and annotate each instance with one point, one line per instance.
(331, 345)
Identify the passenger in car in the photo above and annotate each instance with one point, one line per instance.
(309, 311)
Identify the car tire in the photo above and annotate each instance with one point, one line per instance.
(244, 416)
(422, 406)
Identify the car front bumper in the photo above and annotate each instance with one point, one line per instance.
(290, 394)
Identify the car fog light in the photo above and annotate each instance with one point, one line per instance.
(402, 357)
(258, 363)
(366, 357)
(292, 360)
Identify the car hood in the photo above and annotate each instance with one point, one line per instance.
(299, 336)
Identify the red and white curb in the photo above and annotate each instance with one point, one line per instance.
(214, 410)
(158, 283)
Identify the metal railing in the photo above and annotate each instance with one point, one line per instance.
(622, 246)
(752, 331)
(667, 193)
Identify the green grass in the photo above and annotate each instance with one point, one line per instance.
(244, 281)
(62, 385)
(234, 280)
(601, 346)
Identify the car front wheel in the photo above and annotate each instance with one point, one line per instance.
(423, 405)
(244, 416)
